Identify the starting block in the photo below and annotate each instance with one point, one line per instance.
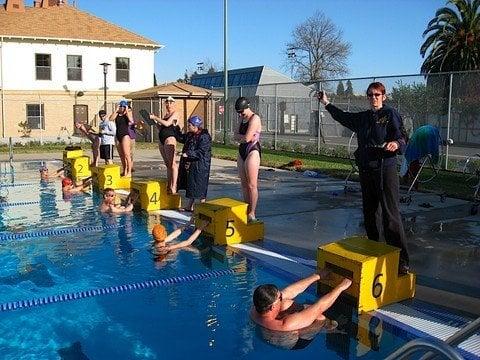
(154, 196)
(228, 221)
(108, 176)
(373, 268)
(78, 168)
(70, 154)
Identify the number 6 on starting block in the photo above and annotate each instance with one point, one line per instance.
(228, 221)
(373, 268)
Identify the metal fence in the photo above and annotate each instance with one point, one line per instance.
(293, 119)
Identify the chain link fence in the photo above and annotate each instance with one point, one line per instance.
(293, 119)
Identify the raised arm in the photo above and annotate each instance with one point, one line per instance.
(347, 119)
(307, 316)
(190, 240)
(292, 291)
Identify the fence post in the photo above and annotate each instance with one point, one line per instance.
(10, 152)
(151, 126)
(319, 120)
(276, 120)
(449, 119)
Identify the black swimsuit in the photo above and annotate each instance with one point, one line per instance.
(166, 131)
(248, 147)
(122, 124)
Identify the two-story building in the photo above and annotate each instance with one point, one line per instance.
(50, 67)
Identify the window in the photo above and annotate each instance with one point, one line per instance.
(74, 67)
(123, 69)
(35, 116)
(43, 66)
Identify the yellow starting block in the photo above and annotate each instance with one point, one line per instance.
(154, 196)
(78, 168)
(70, 154)
(108, 176)
(373, 268)
(228, 221)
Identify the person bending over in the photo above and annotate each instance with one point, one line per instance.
(276, 309)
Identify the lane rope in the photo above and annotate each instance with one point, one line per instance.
(20, 203)
(149, 284)
(17, 184)
(53, 232)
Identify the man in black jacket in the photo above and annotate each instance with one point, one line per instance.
(380, 137)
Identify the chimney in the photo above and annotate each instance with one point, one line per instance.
(37, 3)
(15, 6)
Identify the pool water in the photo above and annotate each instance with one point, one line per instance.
(203, 318)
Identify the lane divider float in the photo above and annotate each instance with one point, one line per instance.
(149, 284)
(52, 232)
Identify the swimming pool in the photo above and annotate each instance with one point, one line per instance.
(200, 317)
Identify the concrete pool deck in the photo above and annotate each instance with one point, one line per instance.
(301, 213)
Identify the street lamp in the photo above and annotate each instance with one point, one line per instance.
(105, 70)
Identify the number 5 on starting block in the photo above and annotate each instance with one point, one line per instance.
(228, 221)
(373, 268)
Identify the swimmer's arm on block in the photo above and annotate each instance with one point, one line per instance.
(187, 242)
(292, 291)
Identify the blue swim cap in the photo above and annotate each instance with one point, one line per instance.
(196, 121)
(123, 103)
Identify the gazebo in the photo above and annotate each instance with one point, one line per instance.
(190, 100)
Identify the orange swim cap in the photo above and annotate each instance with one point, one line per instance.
(159, 233)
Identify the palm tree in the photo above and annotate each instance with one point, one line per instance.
(453, 41)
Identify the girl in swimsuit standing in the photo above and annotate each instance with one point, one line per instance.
(248, 161)
(123, 119)
(168, 142)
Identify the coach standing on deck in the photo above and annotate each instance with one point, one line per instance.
(380, 137)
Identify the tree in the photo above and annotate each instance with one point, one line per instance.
(349, 89)
(453, 38)
(340, 89)
(317, 50)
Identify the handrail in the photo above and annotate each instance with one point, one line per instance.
(459, 337)
(434, 345)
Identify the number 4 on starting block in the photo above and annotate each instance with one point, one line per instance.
(373, 268)
(228, 221)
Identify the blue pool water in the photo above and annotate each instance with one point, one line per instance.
(203, 318)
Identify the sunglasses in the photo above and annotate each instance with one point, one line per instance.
(371, 95)
(240, 112)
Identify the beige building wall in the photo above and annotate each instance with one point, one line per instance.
(58, 110)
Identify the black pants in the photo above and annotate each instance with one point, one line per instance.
(380, 195)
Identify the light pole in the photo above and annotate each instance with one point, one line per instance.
(225, 70)
(105, 71)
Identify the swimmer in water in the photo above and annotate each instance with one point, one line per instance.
(109, 205)
(276, 309)
(161, 238)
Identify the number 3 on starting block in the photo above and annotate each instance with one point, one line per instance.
(373, 268)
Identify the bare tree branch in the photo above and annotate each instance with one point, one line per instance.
(317, 50)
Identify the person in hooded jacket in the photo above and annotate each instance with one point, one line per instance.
(195, 162)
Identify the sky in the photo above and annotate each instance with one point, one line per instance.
(385, 35)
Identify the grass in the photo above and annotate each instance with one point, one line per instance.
(451, 183)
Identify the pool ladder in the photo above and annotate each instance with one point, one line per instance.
(437, 347)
